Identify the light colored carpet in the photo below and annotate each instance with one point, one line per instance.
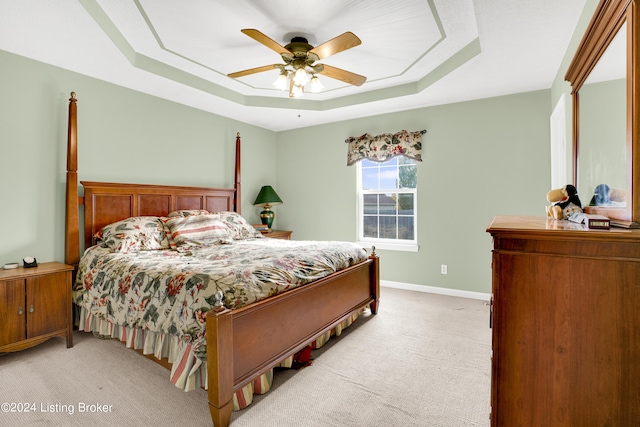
(424, 360)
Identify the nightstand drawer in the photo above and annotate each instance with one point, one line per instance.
(277, 234)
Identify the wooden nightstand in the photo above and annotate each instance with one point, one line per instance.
(35, 305)
(277, 234)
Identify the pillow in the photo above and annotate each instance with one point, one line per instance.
(139, 233)
(187, 212)
(239, 228)
(197, 230)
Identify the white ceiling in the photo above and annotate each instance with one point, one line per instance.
(414, 53)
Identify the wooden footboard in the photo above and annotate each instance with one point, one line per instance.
(243, 343)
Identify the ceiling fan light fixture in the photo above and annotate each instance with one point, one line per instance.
(316, 84)
(297, 91)
(281, 81)
(300, 77)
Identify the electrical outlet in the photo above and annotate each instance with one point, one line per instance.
(443, 269)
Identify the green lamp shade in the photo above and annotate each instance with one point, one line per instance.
(267, 197)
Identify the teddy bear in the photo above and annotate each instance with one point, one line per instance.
(565, 202)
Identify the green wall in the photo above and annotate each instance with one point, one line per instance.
(481, 159)
(124, 136)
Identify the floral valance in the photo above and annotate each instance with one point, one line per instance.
(383, 147)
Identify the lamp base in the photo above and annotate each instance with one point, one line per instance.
(266, 217)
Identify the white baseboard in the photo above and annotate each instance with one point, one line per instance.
(436, 290)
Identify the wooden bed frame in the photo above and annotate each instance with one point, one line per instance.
(242, 343)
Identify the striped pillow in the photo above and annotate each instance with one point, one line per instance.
(196, 230)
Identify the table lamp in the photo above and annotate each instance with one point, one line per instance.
(267, 197)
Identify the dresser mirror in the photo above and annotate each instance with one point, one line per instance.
(602, 154)
(604, 80)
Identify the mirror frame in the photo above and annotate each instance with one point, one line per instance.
(607, 20)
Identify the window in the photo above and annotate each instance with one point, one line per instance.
(387, 203)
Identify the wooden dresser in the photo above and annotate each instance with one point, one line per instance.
(35, 305)
(566, 324)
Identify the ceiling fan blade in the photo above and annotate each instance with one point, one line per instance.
(261, 38)
(343, 75)
(254, 70)
(336, 45)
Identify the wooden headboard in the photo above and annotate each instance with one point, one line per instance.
(107, 202)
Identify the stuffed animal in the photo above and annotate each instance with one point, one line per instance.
(565, 202)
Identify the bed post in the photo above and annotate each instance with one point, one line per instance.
(220, 364)
(237, 204)
(220, 340)
(72, 226)
(374, 280)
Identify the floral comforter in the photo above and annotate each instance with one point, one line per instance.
(167, 291)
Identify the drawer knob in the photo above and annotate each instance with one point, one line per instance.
(31, 309)
(20, 311)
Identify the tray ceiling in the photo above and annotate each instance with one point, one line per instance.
(414, 53)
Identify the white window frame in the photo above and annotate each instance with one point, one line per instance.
(558, 124)
(384, 243)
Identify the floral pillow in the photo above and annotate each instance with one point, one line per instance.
(139, 233)
(239, 228)
(187, 212)
(196, 230)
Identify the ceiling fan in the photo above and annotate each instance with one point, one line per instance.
(300, 62)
